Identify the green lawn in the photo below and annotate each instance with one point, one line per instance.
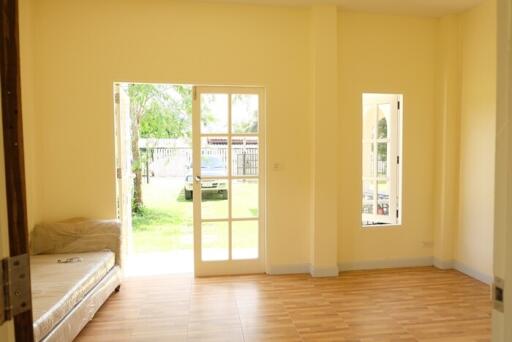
(167, 220)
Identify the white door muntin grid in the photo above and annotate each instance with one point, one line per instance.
(227, 262)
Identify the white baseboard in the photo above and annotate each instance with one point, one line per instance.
(443, 264)
(484, 278)
(469, 271)
(324, 271)
(303, 268)
(379, 264)
(288, 269)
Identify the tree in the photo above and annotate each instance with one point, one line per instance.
(382, 148)
(156, 111)
(245, 120)
(169, 114)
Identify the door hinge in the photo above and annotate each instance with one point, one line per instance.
(498, 295)
(397, 214)
(194, 93)
(398, 105)
(398, 159)
(117, 98)
(15, 296)
(119, 173)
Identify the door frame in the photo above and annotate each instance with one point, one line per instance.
(220, 268)
(502, 321)
(14, 157)
(263, 138)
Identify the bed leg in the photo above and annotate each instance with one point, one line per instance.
(117, 289)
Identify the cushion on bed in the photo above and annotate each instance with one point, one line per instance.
(58, 287)
(77, 236)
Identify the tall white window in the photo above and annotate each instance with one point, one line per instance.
(382, 146)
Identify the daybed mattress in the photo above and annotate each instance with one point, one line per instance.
(83, 312)
(58, 287)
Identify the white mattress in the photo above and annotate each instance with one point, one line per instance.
(58, 287)
(83, 312)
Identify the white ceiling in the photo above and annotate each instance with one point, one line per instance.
(431, 8)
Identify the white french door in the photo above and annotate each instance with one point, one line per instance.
(124, 186)
(229, 180)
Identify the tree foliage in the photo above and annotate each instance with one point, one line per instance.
(250, 122)
(168, 113)
(156, 111)
(382, 129)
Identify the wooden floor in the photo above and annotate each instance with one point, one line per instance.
(416, 304)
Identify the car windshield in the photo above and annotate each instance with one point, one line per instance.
(212, 163)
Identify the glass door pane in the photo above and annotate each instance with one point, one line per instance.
(214, 113)
(229, 226)
(245, 197)
(244, 113)
(245, 240)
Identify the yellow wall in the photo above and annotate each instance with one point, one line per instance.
(477, 143)
(387, 54)
(84, 46)
(324, 90)
(30, 120)
(448, 81)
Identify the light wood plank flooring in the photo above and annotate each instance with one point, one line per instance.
(415, 304)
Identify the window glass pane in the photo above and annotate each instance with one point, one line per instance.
(369, 122)
(214, 113)
(245, 156)
(244, 113)
(383, 120)
(383, 198)
(368, 160)
(382, 159)
(214, 241)
(245, 239)
(214, 156)
(368, 197)
(245, 198)
(381, 132)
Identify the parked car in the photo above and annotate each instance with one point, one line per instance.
(211, 166)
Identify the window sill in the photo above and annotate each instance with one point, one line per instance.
(377, 226)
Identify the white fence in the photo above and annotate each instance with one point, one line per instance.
(177, 161)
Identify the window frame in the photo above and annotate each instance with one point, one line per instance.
(394, 140)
